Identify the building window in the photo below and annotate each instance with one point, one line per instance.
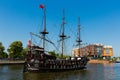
(99, 50)
(107, 51)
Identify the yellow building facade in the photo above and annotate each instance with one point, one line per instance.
(107, 51)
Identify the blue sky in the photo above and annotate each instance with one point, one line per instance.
(100, 21)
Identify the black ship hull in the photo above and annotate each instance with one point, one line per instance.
(55, 65)
(53, 70)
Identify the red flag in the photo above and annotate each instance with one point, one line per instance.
(41, 6)
(29, 43)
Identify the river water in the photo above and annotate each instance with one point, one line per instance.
(93, 72)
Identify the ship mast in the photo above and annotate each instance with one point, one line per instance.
(78, 39)
(63, 36)
(44, 32)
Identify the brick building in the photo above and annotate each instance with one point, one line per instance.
(94, 51)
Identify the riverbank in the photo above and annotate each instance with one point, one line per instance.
(9, 62)
(98, 61)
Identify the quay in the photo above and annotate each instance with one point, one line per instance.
(9, 62)
(98, 61)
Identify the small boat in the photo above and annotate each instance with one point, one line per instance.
(37, 60)
(117, 61)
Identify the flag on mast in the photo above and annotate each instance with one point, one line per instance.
(41, 6)
(29, 43)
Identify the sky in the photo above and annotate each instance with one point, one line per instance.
(99, 19)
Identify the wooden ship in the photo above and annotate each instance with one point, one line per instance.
(37, 60)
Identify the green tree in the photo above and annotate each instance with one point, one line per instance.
(15, 49)
(52, 53)
(58, 55)
(24, 51)
(1, 50)
(2, 53)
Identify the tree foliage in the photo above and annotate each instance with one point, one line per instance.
(24, 51)
(58, 55)
(2, 53)
(15, 49)
(1, 47)
(52, 53)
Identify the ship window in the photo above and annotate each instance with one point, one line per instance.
(32, 52)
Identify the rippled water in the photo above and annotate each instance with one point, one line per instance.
(93, 72)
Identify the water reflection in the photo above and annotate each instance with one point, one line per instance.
(71, 75)
(11, 72)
